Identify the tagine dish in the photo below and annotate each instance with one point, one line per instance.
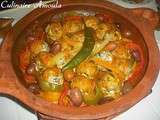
(79, 59)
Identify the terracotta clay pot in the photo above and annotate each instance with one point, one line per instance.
(141, 22)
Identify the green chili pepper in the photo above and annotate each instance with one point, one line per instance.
(93, 98)
(85, 51)
(46, 86)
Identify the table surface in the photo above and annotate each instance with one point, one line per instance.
(146, 109)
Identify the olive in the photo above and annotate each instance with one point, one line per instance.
(75, 96)
(30, 38)
(111, 46)
(105, 100)
(127, 87)
(34, 88)
(55, 47)
(125, 31)
(136, 55)
(117, 24)
(100, 17)
(68, 75)
(31, 69)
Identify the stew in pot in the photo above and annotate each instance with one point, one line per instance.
(79, 59)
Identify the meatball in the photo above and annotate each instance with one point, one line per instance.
(91, 21)
(73, 40)
(45, 60)
(51, 79)
(38, 46)
(54, 32)
(79, 36)
(53, 75)
(90, 92)
(105, 56)
(72, 44)
(110, 86)
(85, 85)
(73, 26)
(112, 36)
(101, 30)
(124, 66)
(88, 69)
(121, 51)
